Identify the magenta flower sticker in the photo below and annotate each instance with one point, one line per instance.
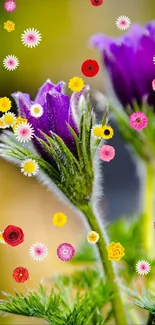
(153, 84)
(9, 5)
(65, 252)
(138, 121)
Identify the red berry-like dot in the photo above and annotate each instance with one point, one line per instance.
(96, 2)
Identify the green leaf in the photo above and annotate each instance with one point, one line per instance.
(77, 142)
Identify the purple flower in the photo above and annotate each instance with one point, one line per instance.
(65, 252)
(57, 110)
(129, 62)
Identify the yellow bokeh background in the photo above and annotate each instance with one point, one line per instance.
(66, 26)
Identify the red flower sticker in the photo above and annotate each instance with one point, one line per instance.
(90, 68)
(13, 235)
(96, 2)
(20, 274)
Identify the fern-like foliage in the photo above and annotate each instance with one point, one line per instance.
(36, 304)
(145, 300)
(57, 307)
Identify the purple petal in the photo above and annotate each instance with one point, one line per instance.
(38, 124)
(151, 28)
(27, 96)
(57, 110)
(43, 90)
(125, 61)
(24, 104)
(100, 41)
(119, 79)
(144, 62)
(57, 106)
(134, 35)
(130, 68)
(61, 87)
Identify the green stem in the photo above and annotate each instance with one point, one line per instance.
(117, 304)
(148, 213)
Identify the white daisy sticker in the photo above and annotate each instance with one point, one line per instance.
(31, 37)
(10, 62)
(38, 252)
(29, 167)
(97, 131)
(24, 132)
(143, 267)
(36, 110)
(123, 22)
(8, 119)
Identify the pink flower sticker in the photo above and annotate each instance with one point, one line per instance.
(153, 84)
(9, 5)
(138, 121)
(107, 153)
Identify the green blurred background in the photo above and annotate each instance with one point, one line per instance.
(66, 26)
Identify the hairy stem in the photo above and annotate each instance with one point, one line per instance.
(148, 213)
(117, 303)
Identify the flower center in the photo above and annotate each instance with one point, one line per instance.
(20, 274)
(29, 167)
(90, 67)
(116, 252)
(123, 22)
(39, 251)
(8, 119)
(107, 153)
(76, 84)
(138, 120)
(13, 235)
(24, 131)
(65, 251)
(143, 267)
(37, 110)
(31, 37)
(106, 132)
(59, 219)
(11, 62)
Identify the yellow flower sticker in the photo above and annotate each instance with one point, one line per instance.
(19, 120)
(115, 251)
(5, 104)
(9, 26)
(59, 219)
(76, 84)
